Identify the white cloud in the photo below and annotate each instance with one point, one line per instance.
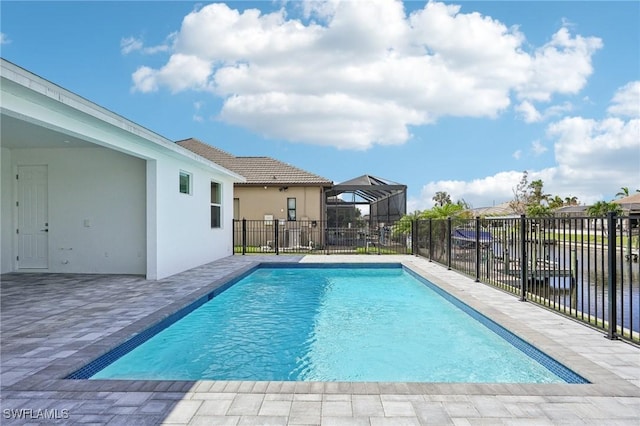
(528, 112)
(517, 154)
(182, 72)
(626, 101)
(592, 159)
(337, 79)
(4, 39)
(560, 66)
(132, 44)
(538, 148)
(197, 117)
(481, 192)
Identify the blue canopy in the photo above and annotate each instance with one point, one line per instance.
(470, 235)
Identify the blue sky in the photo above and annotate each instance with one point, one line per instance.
(459, 97)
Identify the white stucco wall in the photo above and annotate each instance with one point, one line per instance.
(96, 207)
(125, 188)
(185, 238)
(6, 216)
(99, 220)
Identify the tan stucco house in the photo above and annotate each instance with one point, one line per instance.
(273, 190)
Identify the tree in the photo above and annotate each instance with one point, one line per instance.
(520, 195)
(441, 198)
(536, 195)
(528, 198)
(445, 211)
(601, 208)
(555, 202)
(571, 200)
(624, 192)
(403, 226)
(539, 211)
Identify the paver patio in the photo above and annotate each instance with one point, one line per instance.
(53, 324)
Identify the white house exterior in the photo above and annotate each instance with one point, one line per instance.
(87, 191)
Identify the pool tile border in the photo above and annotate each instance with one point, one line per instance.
(206, 294)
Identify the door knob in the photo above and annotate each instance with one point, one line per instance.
(45, 230)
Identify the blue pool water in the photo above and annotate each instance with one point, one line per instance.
(334, 324)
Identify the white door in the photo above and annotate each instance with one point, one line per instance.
(33, 222)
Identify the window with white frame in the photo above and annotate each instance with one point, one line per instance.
(216, 214)
(291, 209)
(185, 182)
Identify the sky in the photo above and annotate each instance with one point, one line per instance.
(461, 97)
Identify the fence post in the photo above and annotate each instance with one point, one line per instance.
(611, 246)
(477, 249)
(449, 242)
(414, 239)
(430, 239)
(244, 236)
(523, 259)
(275, 237)
(233, 236)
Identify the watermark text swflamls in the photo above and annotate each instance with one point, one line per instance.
(35, 414)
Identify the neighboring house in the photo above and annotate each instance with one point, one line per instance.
(631, 207)
(504, 210)
(85, 190)
(571, 211)
(273, 190)
(277, 195)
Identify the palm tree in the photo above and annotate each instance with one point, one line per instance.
(537, 196)
(556, 202)
(571, 201)
(624, 192)
(442, 198)
(601, 208)
(445, 211)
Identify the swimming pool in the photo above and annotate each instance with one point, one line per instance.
(331, 323)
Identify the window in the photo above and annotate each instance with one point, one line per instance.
(291, 209)
(185, 182)
(216, 220)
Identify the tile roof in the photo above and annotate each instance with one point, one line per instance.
(503, 209)
(631, 202)
(257, 170)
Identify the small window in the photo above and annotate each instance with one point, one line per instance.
(291, 209)
(216, 219)
(185, 182)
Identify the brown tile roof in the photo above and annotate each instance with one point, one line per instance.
(257, 170)
(632, 202)
(631, 199)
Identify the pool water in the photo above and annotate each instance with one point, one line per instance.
(330, 324)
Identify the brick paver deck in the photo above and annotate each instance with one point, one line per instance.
(53, 324)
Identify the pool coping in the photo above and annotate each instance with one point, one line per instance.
(603, 381)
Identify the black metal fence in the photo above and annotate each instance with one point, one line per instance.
(583, 267)
(317, 237)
